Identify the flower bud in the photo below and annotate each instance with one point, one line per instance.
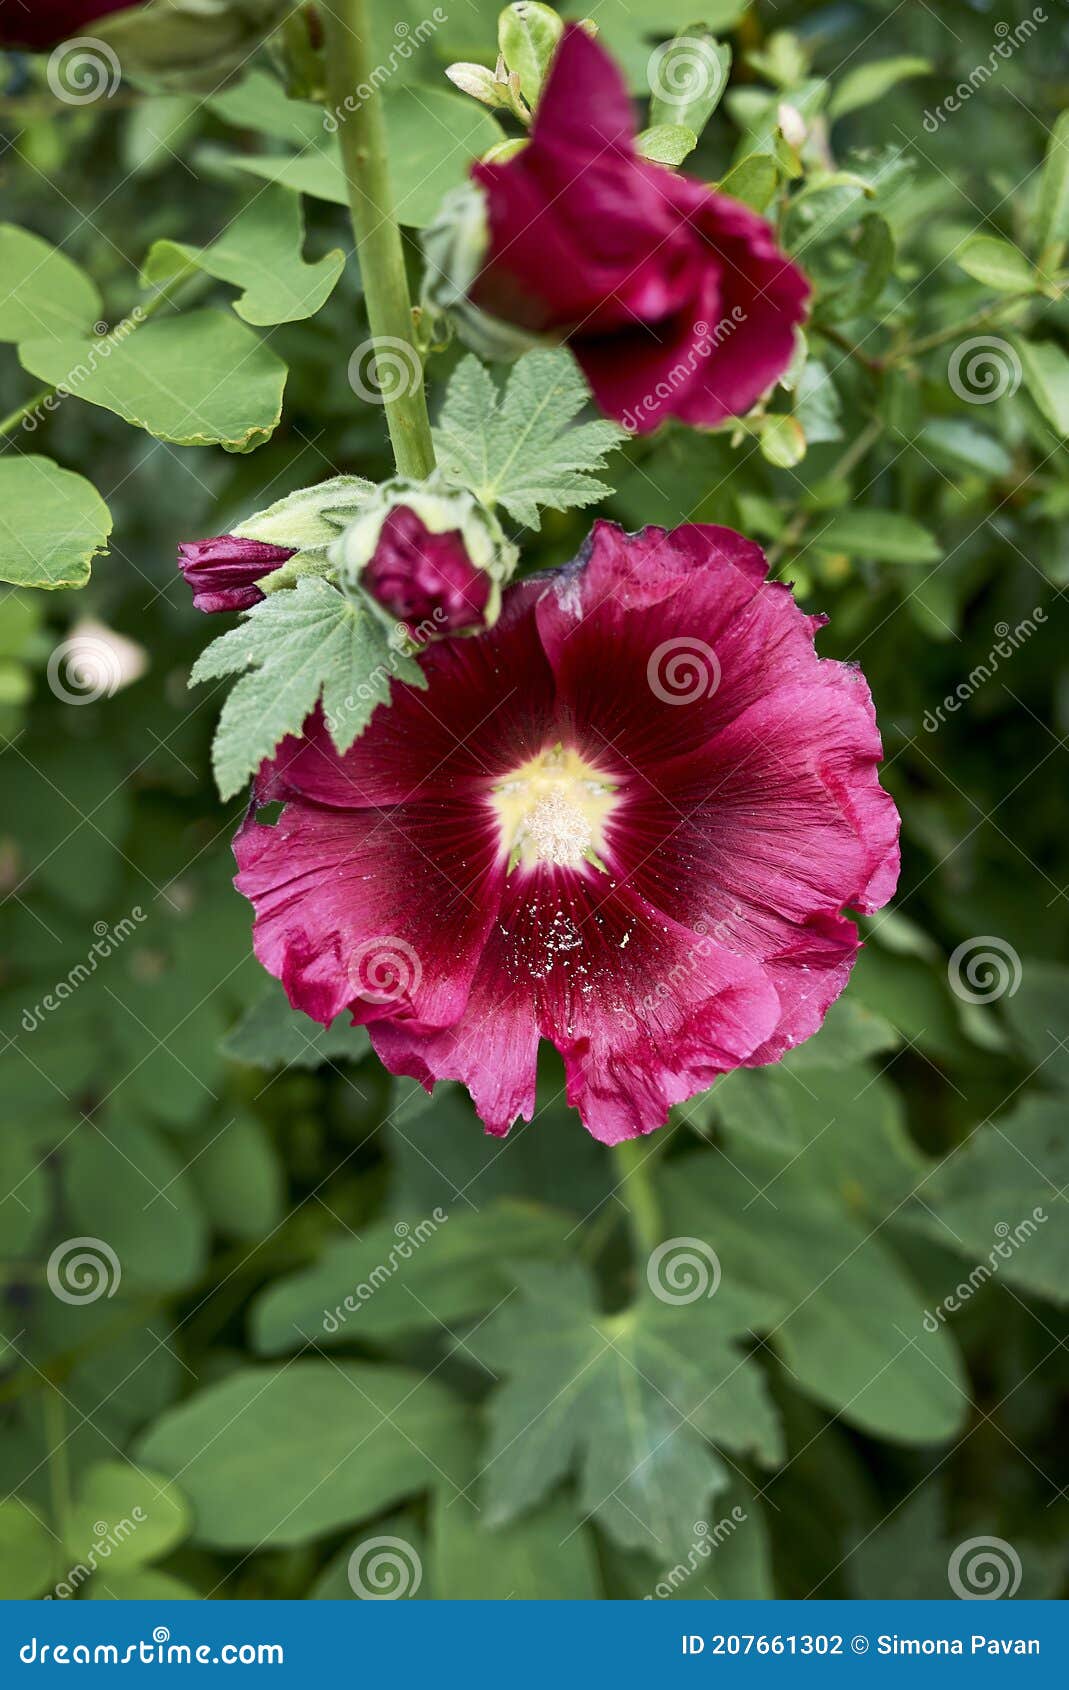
(430, 555)
(477, 81)
(527, 35)
(223, 572)
(235, 571)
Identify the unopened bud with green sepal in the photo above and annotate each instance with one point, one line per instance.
(428, 554)
(307, 522)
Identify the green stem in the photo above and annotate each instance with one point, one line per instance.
(870, 362)
(11, 422)
(354, 95)
(844, 466)
(979, 320)
(634, 1162)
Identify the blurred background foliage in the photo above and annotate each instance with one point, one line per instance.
(249, 1172)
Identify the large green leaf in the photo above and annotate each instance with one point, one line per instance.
(428, 1275)
(143, 1516)
(1000, 1200)
(440, 1148)
(1038, 1012)
(627, 1402)
(883, 536)
(848, 1034)
(688, 76)
(866, 84)
(547, 1556)
(198, 379)
(432, 135)
(1046, 374)
(839, 1127)
(127, 1187)
(260, 252)
(52, 523)
(42, 291)
(997, 263)
(240, 1177)
(516, 448)
(283, 1455)
(271, 1034)
(386, 1559)
(27, 1553)
(727, 1558)
(1050, 227)
(290, 649)
(851, 1329)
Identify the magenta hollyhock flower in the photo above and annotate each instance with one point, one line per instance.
(629, 818)
(675, 299)
(420, 576)
(223, 571)
(44, 23)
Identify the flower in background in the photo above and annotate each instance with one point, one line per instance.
(675, 299)
(44, 23)
(430, 555)
(223, 571)
(629, 818)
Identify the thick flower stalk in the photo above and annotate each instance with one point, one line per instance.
(675, 300)
(630, 818)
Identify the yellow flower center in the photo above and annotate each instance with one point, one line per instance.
(553, 809)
